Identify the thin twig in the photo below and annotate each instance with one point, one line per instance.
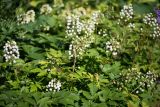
(74, 59)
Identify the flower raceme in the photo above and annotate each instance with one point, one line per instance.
(11, 51)
(138, 81)
(26, 18)
(112, 46)
(127, 12)
(29, 16)
(54, 85)
(81, 33)
(45, 9)
(150, 20)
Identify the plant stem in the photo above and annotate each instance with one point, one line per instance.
(136, 88)
(74, 58)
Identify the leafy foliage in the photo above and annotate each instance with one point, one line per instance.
(94, 53)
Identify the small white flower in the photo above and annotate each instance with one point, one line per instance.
(137, 91)
(114, 53)
(50, 89)
(14, 61)
(45, 9)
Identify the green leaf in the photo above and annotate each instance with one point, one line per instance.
(42, 62)
(131, 104)
(87, 95)
(37, 96)
(99, 105)
(102, 99)
(67, 101)
(36, 55)
(44, 102)
(55, 53)
(42, 73)
(65, 97)
(93, 88)
(112, 70)
(29, 49)
(19, 62)
(73, 96)
(33, 88)
(36, 70)
(92, 52)
(144, 104)
(134, 97)
(15, 84)
(68, 98)
(104, 80)
(22, 104)
(30, 100)
(111, 75)
(85, 103)
(112, 103)
(104, 94)
(146, 1)
(142, 8)
(34, 3)
(51, 21)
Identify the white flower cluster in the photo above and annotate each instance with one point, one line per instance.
(76, 26)
(26, 18)
(54, 85)
(11, 51)
(45, 27)
(45, 9)
(102, 32)
(139, 81)
(81, 33)
(112, 46)
(95, 16)
(131, 25)
(156, 32)
(127, 12)
(150, 20)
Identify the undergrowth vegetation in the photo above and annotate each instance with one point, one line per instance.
(80, 53)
